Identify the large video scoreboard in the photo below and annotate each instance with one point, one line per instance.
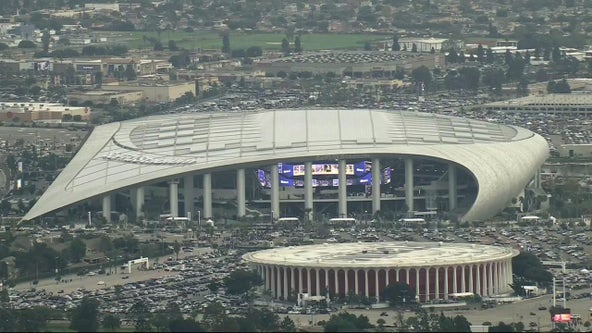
(324, 175)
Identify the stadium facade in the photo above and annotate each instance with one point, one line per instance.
(436, 271)
(484, 164)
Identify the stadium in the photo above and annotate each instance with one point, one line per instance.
(306, 163)
(437, 271)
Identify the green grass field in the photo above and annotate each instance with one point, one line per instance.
(210, 40)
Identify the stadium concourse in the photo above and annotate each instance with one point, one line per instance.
(434, 270)
(379, 158)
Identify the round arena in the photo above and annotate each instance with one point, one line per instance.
(435, 270)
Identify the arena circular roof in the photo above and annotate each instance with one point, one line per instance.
(146, 150)
(380, 254)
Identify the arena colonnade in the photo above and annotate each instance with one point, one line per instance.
(434, 270)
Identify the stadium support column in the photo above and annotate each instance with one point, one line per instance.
(137, 195)
(409, 183)
(275, 192)
(107, 208)
(451, 187)
(174, 197)
(308, 202)
(189, 195)
(240, 195)
(342, 190)
(207, 195)
(375, 185)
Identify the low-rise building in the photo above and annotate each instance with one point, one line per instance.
(153, 91)
(41, 112)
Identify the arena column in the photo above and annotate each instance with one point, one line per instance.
(292, 280)
(346, 275)
(485, 288)
(416, 283)
(286, 290)
(275, 191)
(376, 286)
(375, 185)
(138, 200)
(455, 280)
(478, 282)
(240, 193)
(356, 289)
(437, 294)
(471, 286)
(386, 276)
(268, 278)
(407, 276)
(273, 282)
(308, 193)
(207, 195)
(446, 282)
(366, 285)
(327, 286)
(427, 284)
(318, 282)
(300, 280)
(107, 208)
(308, 282)
(452, 193)
(174, 197)
(189, 195)
(342, 194)
(409, 183)
(336, 273)
(278, 281)
(490, 274)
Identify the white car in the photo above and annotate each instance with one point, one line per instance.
(101, 283)
(92, 273)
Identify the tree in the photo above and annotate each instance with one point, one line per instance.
(346, 322)
(287, 325)
(130, 73)
(141, 316)
(480, 53)
(285, 47)
(8, 320)
(77, 249)
(225, 43)
(494, 78)
(399, 293)
(297, 45)
(213, 315)
(396, 46)
(99, 79)
(529, 267)
(423, 75)
(414, 48)
(172, 45)
(241, 281)
(111, 322)
(85, 316)
(176, 248)
(45, 39)
(185, 325)
(26, 44)
(469, 77)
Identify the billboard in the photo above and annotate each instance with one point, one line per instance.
(293, 175)
(561, 318)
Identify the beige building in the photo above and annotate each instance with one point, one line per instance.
(155, 92)
(105, 96)
(41, 112)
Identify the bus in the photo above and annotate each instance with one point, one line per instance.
(342, 221)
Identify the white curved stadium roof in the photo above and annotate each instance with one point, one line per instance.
(381, 254)
(125, 154)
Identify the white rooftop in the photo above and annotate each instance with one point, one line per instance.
(380, 254)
